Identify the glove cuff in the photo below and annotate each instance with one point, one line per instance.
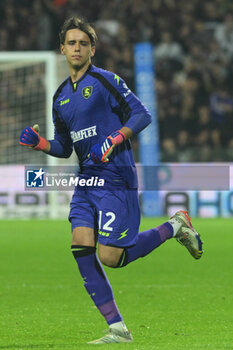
(41, 145)
(117, 137)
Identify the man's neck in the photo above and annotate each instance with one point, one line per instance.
(76, 74)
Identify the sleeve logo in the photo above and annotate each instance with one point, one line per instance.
(117, 79)
(87, 92)
(128, 91)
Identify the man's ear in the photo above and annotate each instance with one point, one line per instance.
(92, 51)
(62, 49)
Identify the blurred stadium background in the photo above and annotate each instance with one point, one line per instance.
(193, 56)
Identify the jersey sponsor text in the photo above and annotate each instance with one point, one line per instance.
(83, 134)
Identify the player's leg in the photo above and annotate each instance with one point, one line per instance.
(97, 285)
(179, 226)
(95, 279)
(147, 241)
(119, 241)
(84, 251)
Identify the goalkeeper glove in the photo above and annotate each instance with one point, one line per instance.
(30, 137)
(100, 152)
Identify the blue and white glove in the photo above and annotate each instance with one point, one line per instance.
(100, 152)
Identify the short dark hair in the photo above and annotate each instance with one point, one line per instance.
(77, 23)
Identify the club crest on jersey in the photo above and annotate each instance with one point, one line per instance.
(87, 92)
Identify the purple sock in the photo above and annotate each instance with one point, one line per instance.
(147, 241)
(96, 282)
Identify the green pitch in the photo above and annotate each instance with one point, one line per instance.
(169, 300)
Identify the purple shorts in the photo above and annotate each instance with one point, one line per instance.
(115, 214)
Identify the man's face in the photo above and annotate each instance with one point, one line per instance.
(77, 49)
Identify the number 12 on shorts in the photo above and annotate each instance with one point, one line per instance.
(110, 217)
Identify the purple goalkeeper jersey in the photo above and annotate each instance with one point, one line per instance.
(89, 110)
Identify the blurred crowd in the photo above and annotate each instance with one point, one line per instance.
(193, 59)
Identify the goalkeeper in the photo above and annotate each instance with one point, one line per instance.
(95, 113)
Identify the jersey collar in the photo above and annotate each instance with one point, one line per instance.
(76, 83)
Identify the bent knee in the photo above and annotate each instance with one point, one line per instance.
(108, 260)
(109, 256)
